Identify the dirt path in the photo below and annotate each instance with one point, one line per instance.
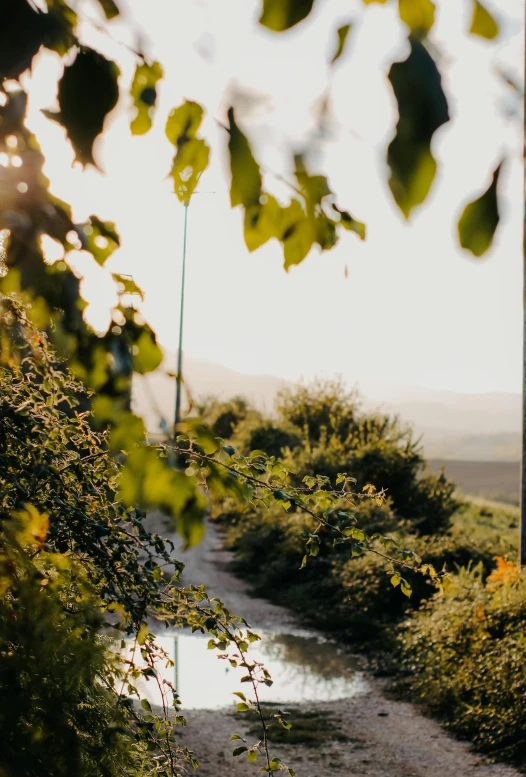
(374, 736)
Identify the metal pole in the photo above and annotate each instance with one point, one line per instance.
(180, 351)
(522, 538)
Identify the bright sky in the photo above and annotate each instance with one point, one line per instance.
(414, 308)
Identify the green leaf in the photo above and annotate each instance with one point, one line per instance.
(242, 707)
(395, 580)
(127, 285)
(145, 704)
(262, 222)
(144, 93)
(189, 164)
(351, 224)
(110, 8)
(252, 756)
(369, 2)
(422, 108)
(147, 355)
(183, 122)
(245, 188)
(483, 23)
(239, 750)
(297, 234)
(343, 32)
(191, 159)
(87, 92)
(406, 588)
(279, 15)
(479, 220)
(419, 15)
(100, 238)
(234, 737)
(142, 634)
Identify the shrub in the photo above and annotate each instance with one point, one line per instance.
(464, 655)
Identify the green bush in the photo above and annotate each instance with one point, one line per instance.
(320, 429)
(464, 657)
(55, 706)
(350, 597)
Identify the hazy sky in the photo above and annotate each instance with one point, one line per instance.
(414, 308)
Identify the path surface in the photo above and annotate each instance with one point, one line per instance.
(384, 738)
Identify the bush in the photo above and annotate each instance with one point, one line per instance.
(464, 655)
(350, 597)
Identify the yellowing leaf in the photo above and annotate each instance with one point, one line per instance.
(245, 188)
(279, 15)
(419, 15)
(144, 93)
(483, 23)
(479, 220)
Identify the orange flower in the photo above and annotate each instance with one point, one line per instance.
(506, 573)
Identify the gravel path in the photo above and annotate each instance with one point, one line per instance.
(382, 737)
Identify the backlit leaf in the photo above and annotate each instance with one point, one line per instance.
(87, 92)
(479, 220)
(343, 32)
(245, 188)
(100, 238)
(422, 108)
(190, 162)
(419, 15)
(142, 634)
(483, 23)
(262, 222)
(144, 93)
(297, 234)
(279, 15)
(184, 122)
(191, 158)
(147, 355)
(351, 224)
(110, 8)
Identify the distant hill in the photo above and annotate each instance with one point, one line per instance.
(476, 427)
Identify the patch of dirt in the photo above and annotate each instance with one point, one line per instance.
(374, 736)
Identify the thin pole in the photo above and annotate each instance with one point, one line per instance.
(522, 529)
(180, 351)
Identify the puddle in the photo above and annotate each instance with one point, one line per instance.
(303, 668)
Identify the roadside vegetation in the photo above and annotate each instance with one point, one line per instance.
(461, 652)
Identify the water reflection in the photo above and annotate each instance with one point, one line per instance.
(303, 668)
